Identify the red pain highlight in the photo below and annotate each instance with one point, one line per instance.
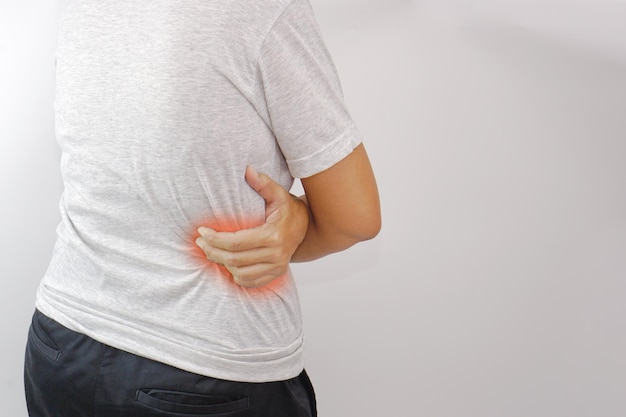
(228, 225)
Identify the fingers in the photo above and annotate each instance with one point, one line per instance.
(254, 179)
(243, 248)
(258, 255)
(242, 240)
(266, 187)
(250, 268)
(237, 259)
(256, 276)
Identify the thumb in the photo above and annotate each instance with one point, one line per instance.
(272, 192)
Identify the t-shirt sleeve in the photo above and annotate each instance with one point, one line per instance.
(298, 85)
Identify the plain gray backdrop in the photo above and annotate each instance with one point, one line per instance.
(497, 130)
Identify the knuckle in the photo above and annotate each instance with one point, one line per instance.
(246, 277)
(274, 239)
(231, 260)
(279, 272)
(233, 246)
(242, 282)
(281, 257)
(285, 255)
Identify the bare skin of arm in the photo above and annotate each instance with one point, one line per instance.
(344, 207)
(339, 209)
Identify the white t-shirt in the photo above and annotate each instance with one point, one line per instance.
(160, 105)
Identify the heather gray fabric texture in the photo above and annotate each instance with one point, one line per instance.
(160, 105)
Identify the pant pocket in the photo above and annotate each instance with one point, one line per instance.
(189, 403)
(39, 339)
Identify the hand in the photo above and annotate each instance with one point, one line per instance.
(257, 256)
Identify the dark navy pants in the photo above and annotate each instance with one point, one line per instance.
(68, 374)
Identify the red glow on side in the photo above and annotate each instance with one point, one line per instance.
(229, 225)
(222, 225)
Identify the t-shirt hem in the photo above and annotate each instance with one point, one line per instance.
(327, 156)
(285, 363)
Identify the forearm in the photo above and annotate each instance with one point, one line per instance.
(317, 245)
(340, 208)
(322, 239)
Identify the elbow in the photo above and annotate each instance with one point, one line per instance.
(376, 228)
(366, 228)
(371, 228)
(349, 232)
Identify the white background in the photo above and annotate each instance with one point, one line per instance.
(497, 130)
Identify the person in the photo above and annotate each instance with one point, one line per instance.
(182, 126)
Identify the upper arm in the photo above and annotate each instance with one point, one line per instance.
(344, 199)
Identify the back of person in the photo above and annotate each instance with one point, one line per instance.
(160, 106)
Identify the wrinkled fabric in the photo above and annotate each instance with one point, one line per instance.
(159, 107)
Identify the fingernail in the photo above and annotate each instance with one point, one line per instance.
(253, 171)
(205, 231)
